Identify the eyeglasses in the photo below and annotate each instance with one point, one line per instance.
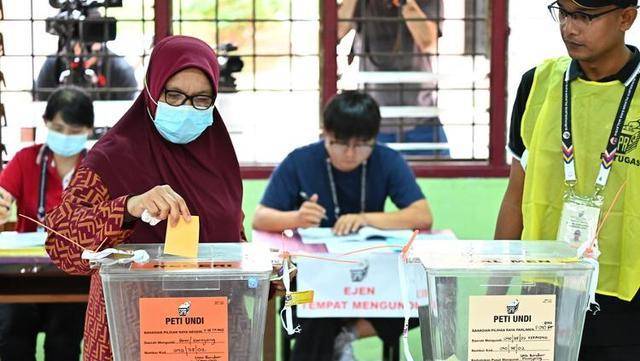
(177, 98)
(561, 15)
(361, 149)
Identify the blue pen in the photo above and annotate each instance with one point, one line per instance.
(306, 198)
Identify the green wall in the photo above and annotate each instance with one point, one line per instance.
(468, 206)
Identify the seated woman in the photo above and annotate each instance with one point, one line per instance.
(34, 180)
(169, 155)
(343, 182)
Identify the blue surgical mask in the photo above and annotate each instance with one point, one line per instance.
(182, 124)
(66, 145)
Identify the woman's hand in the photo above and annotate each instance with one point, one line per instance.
(161, 202)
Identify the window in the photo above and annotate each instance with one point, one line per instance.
(465, 101)
(291, 66)
(273, 107)
(28, 47)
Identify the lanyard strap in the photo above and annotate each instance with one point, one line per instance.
(42, 188)
(334, 193)
(44, 162)
(608, 156)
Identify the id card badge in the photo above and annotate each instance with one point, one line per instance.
(579, 220)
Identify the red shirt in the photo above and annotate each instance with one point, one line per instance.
(21, 178)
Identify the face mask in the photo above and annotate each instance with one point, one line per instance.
(181, 124)
(66, 145)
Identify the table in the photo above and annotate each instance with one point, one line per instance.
(30, 276)
(295, 245)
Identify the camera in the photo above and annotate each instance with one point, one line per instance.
(78, 26)
(73, 23)
(59, 4)
(229, 64)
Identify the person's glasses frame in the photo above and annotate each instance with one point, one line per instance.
(341, 147)
(561, 15)
(177, 98)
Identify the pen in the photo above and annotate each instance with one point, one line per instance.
(306, 198)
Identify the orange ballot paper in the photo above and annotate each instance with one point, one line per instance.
(182, 240)
(184, 329)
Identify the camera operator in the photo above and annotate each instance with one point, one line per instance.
(398, 35)
(87, 64)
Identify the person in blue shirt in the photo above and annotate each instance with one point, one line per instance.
(343, 182)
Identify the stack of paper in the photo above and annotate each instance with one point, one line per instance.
(15, 240)
(324, 235)
(366, 237)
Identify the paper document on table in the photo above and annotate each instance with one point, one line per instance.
(371, 233)
(388, 244)
(422, 237)
(348, 247)
(325, 235)
(315, 233)
(15, 240)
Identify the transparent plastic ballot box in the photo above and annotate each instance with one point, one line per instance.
(209, 308)
(503, 300)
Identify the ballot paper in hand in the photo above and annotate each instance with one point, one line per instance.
(182, 240)
(15, 240)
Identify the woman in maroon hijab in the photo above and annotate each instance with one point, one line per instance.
(169, 155)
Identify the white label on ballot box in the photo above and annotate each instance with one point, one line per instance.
(184, 329)
(512, 328)
(368, 289)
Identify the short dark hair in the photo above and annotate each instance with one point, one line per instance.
(73, 104)
(352, 114)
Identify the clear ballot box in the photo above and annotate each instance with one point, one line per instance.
(172, 308)
(503, 300)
